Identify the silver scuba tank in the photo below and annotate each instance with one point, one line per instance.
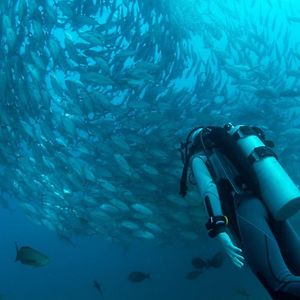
(278, 191)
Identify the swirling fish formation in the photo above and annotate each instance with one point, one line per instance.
(96, 95)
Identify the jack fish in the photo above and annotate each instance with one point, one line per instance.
(29, 256)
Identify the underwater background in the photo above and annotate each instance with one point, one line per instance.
(95, 98)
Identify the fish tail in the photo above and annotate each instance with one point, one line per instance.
(17, 252)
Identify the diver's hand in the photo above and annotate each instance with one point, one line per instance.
(231, 250)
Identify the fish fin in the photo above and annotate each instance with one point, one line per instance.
(17, 251)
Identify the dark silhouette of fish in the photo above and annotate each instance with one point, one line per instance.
(243, 292)
(193, 275)
(217, 260)
(29, 256)
(199, 263)
(98, 287)
(137, 276)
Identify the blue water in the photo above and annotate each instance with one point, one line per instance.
(71, 270)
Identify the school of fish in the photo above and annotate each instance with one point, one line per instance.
(96, 96)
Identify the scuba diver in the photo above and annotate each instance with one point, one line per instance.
(248, 197)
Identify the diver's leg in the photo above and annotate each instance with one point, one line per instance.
(289, 243)
(262, 251)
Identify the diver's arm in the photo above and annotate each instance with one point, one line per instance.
(217, 221)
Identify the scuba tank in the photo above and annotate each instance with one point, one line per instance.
(279, 193)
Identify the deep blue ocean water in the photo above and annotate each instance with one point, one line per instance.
(71, 270)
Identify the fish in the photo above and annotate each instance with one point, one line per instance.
(98, 287)
(93, 38)
(217, 260)
(96, 78)
(291, 93)
(137, 276)
(142, 209)
(130, 225)
(200, 263)
(293, 19)
(193, 274)
(241, 291)
(29, 256)
(267, 92)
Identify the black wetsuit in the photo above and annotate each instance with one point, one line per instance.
(271, 247)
